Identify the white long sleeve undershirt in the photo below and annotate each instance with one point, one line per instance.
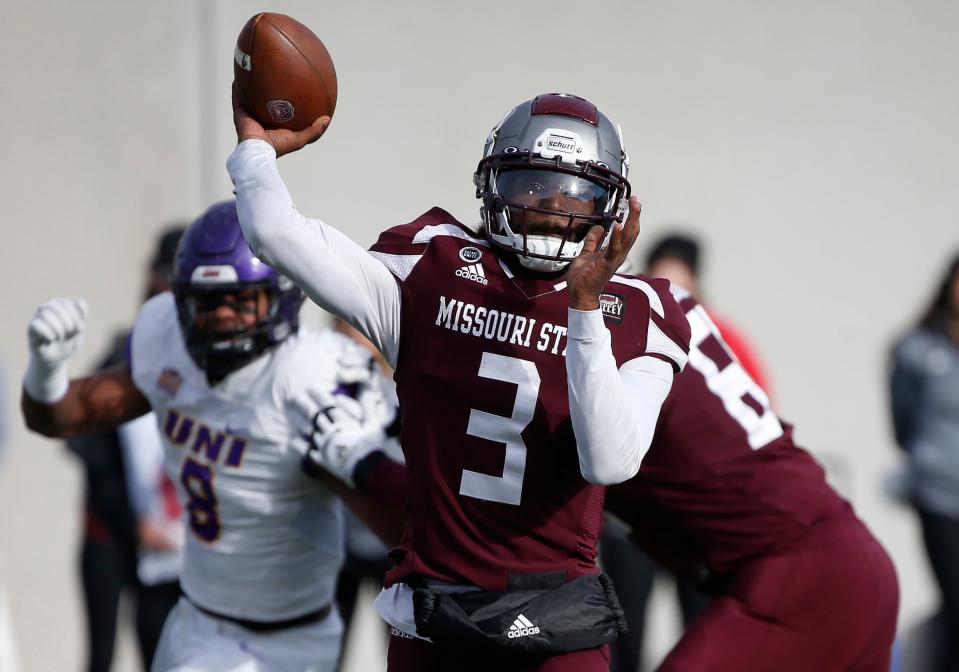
(334, 271)
(614, 412)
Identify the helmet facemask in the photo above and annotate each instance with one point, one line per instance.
(220, 351)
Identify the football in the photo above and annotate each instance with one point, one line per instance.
(284, 74)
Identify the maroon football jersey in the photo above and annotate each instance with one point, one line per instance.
(723, 480)
(496, 489)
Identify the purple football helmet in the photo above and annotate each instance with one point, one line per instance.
(214, 260)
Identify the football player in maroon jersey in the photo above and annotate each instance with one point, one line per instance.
(725, 497)
(529, 376)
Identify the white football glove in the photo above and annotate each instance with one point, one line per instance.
(355, 366)
(357, 370)
(341, 434)
(54, 335)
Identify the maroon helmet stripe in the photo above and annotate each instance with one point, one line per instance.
(566, 105)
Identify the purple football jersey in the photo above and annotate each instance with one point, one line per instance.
(723, 480)
(496, 489)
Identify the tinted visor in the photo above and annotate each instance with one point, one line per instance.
(242, 301)
(550, 190)
(198, 305)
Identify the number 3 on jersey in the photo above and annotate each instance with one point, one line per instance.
(507, 488)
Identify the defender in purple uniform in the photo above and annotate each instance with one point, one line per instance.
(725, 493)
(528, 377)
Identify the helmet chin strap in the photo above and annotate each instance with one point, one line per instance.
(218, 364)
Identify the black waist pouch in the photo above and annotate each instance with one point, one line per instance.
(582, 614)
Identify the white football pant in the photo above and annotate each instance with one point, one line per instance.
(195, 642)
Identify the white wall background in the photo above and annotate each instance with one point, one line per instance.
(811, 144)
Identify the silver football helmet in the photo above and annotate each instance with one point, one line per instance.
(553, 168)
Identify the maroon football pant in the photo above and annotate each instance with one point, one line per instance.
(417, 655)
(827, 603)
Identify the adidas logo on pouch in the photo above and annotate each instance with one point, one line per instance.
(522, 627)
(473, 272)
(399, 633)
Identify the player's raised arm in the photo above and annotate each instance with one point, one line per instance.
(55, 406)
(334, 271)
(613, 409)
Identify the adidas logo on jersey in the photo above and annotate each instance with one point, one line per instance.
(522, 627)
(473, 272)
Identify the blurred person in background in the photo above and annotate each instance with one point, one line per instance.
(159, 526)
(9, 661)
(677, 258)
(924, 391)
(4, 414)
(114, 535)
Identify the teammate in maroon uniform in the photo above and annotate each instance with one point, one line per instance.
(528, 375)
(725, 493)
(725, 497)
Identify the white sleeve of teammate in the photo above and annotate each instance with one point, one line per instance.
(614, 412)
(335, 272)
(142, 461)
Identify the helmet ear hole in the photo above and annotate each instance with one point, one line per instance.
(492, 203)
(478, 183)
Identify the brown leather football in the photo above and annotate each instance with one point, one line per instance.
(284, 74)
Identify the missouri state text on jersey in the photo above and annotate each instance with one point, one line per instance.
(504, 327)
(494, 471)
(516, 329)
